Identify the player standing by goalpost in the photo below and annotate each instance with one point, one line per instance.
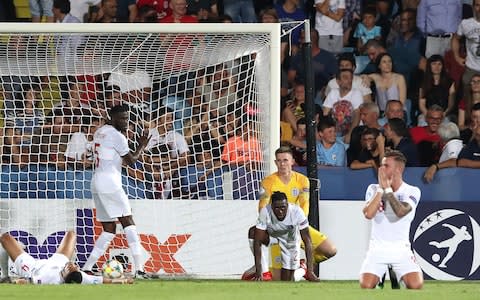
(111, 201)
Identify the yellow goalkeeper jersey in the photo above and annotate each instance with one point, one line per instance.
(297, 190)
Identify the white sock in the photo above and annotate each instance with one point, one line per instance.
(3, 262)
(98, 250)
(135, 247)
(264, 250)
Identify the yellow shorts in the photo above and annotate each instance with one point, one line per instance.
(317, 239)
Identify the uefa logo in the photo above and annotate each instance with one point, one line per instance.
(446, 244)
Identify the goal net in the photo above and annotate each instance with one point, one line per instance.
(208, 95)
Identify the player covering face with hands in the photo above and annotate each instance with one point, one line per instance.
(286, 224)
(391, 205)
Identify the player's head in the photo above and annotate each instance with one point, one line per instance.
(394, 163)
(284, 159)
(279, 205)
(71, 273)
(119, 117)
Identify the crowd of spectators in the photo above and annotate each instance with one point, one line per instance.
(387, 74)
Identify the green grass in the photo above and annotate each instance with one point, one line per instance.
(217, 289)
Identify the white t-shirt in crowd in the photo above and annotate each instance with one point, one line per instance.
(470, 28)
(357, 84)
(175, 141)
(326, 25)
(451, 150)
(79, 8)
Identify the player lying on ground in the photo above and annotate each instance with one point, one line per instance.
(285, 223)
(57, 269)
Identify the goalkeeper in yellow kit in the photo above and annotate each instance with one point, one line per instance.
(297, 188)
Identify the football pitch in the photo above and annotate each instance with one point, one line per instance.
(236, 289)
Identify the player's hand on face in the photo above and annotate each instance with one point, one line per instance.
(310, 276)
(382, 178)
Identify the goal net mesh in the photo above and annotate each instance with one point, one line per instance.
(204, 98)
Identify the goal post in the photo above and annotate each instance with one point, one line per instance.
(208, 94)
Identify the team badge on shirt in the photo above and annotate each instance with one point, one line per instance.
(295, 192)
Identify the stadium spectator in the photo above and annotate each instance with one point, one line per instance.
(161, 133)
(367, 30)
(201, 178)
(452, 145)
(369, 113)
(179, 13)
(290, 11)
(469, 157)
(324, 66)
(147, 14)
(426, 137)
(330, 151)
(162, 7)
(61, 12)
(111, 202)
(470, 98)
(127, 11)
(297, 188)
(353, 12)
(329, 24)
(438, 23)
(41, 9)
(372, 150)
(79, 152)
(286, 223)
(391, 206)
(28, 120)
(394, 109)
(298, 143)
(384, 10)
(108, 12)
(293, 110)
(203, 9)
(388, 84)
(474, 121)
(468, 29)
(347, 61)
(58, 269)
(342, 105)
(437, 88)
(241, 11)
(409, 37)
(243, 149)
(397, 133)
(85, 10)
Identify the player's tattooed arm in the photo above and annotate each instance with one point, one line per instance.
(399, 208)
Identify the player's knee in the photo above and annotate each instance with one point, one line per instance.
(331, 252)
(367, 285)
(414, 285)
(251, 232)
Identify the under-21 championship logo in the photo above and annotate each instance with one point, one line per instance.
(446, 244)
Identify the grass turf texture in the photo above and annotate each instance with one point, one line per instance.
(235, 289)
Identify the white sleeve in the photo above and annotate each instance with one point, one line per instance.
(331, 98)
(300, 217)
(460, 30)
(91, 279)
(262, 220)
(413, 197)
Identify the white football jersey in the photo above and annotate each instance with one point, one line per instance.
(287, 231)
(110, 145)
(386, 226)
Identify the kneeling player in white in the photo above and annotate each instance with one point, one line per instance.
(57, 269)
(391, 206)
(286, 223)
